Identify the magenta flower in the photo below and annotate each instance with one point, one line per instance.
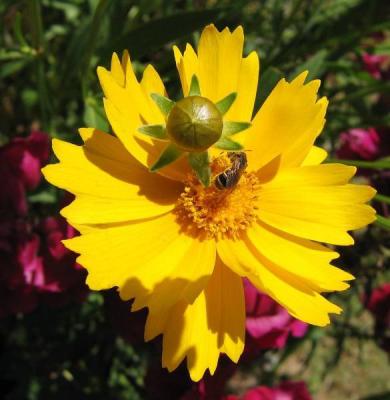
(284, 391)
(34, 265)
(359, 144)
(21, 161)
(378, 66)
(379, 305)
(268, 324)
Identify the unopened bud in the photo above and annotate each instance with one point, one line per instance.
(194, 124)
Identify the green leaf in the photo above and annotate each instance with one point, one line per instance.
(383, 222)
(155, 131)
(168, 156)
(315, 65)
(163, 103)
(200, 163)
(156, 33)
(231, 127)
(224, 104)
(382, 198)
(226, 144)
(194, 88)
(268, 80)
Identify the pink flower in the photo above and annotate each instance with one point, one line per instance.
(378, 66)
(268, 325)
(21, 161)
(359, 144)
(62, 279)
(34, 265)
(379, 305)
(285, 391)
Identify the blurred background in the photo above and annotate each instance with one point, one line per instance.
(58, 340)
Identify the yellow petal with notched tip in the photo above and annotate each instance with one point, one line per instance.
(306, 260)
(129, 107)
(116, 255)
(321, 213)
(186, 276)
(314, 202)
(294, 294)
(108, 188)
(221, 70)
(291, 111)
(213, 324)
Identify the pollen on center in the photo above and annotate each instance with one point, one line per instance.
(218, 213)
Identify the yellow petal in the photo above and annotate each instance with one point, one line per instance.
(145, 150)
(117, 70)
(305, 259)
(109, 184)
(129, 107)
(289, 113)
(296, 154)
(187, 66)
(213, 324)
(292, 293)
(185, 277)
(321, 213)
(221, 70)
(152, 83)
(116, 255)
(312, 175)
(242, 107)
(315, 156)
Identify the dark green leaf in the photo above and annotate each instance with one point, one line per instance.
(194, 88)
(155, 131)
(168, 156)
(226, 144)
(231, 127)
(163, 103)
(200, 163)
(224, 104)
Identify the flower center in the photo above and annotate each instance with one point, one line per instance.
(219, 212)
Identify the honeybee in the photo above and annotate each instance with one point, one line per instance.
(229, 178)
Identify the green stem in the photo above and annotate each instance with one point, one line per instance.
(382, 198)
(383, 222)
(383, 163)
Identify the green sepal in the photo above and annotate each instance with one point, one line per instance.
(200, 163)
(170, 154)
(163, 103)
(224, 104)
(194, 87)
(154, 131)
(231, 128)
(226, 144)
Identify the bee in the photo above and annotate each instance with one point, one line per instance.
(229, 178)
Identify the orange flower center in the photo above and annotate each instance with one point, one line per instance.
(215, 212)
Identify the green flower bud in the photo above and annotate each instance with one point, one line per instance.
(194, 124)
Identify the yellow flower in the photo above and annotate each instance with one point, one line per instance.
(181, 248)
